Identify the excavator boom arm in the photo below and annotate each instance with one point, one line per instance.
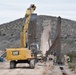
(23, 34)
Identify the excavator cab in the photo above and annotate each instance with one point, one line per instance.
(34, 47)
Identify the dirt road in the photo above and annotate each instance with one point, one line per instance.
(40, 69)
(22, 69)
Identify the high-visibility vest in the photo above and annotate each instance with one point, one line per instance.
(68, 58)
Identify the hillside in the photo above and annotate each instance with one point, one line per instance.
(10, 32)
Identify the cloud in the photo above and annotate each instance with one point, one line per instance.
(13, 9)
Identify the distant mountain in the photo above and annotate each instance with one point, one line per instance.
(10, 32)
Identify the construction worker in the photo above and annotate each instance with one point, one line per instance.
(55, 56)
(68, 59)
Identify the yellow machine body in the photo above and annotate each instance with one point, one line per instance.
(22, 53)
(18, 54)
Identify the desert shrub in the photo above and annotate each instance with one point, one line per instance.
(3, 34)
(72, 66)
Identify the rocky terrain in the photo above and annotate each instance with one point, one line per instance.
(10, 32)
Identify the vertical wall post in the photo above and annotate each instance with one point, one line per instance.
(58, 46)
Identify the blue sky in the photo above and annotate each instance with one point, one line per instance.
(14, 9)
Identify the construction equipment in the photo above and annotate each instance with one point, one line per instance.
(24, 54)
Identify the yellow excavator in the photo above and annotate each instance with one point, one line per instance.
(22, 54)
